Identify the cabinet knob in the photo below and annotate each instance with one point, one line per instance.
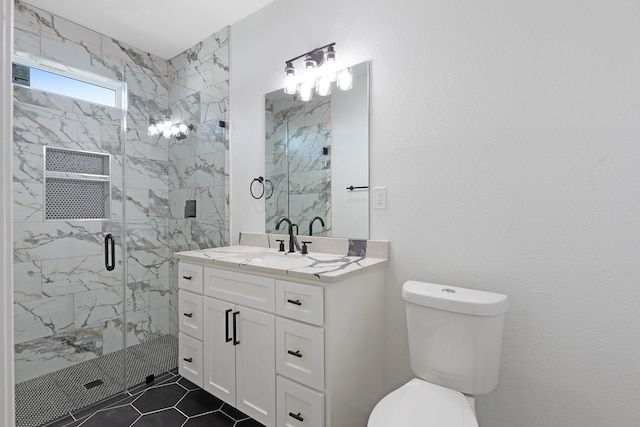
(187, 277)
(296, 416)
(295, 353)
(190, 359)
(188, 314)
(294, 302)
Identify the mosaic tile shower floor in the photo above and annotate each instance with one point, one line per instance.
(52, 396)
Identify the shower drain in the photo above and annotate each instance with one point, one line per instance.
(93, 384)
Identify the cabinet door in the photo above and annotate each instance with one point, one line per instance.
(255, 365)
(219, 351)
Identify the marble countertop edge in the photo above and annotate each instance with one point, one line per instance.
(323, 267)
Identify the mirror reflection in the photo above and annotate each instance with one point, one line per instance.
(317, 160)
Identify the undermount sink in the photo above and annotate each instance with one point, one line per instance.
(279, 260)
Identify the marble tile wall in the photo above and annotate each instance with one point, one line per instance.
(296, 133)
(68, 308)
(199, 95)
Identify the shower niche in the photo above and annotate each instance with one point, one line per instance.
(77, 184)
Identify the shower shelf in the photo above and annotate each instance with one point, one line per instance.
(78, 176)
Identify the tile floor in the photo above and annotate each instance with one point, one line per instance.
(172, 402)
(49, 397)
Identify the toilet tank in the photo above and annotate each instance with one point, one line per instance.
(455, 335)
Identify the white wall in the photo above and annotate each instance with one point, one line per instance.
(6, 249)
(507, 134)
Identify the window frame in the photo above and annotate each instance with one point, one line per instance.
(87, 77)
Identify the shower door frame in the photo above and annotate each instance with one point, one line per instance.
(116, 283)
(6, 246)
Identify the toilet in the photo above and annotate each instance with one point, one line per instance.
(455, 340)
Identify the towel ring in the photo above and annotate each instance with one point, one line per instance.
(260, 180)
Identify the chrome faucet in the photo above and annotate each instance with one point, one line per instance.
(291, 240)
(311, 224)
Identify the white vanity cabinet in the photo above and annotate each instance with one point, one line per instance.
(287, 352)
(239, 342)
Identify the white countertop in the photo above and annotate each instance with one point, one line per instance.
(322, 267)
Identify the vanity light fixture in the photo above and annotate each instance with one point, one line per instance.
(319, 70)
(168, 129)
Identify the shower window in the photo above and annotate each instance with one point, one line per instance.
(41, 74)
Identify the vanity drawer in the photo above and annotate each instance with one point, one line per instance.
(300, 302)
(300, 352)
(298, 405)
(190, 359)
(190, 314)
(190, 277)
(240, 288)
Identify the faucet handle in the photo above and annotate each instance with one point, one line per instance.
(304, 250)
(281, 249)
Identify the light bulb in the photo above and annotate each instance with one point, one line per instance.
(290, 79)
(175, 130)
(167, 124)
(166, 133)
(160, 127)
(323, 86)
(183, 128)
(310, 71)
(290, 84)
(310, 63)
(345, 79)
(153, 130)
(330, 64)
(305, 91)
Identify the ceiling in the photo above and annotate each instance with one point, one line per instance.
(162, 27)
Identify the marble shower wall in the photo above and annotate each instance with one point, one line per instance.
(68, 307)
(296, 134)
(199, 95)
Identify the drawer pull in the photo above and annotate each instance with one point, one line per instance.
(296, 416)
(294, 302)
(227, 338)
(187, 277)
(295, 353)
(188, 314)
(235, 332)
(190, 359)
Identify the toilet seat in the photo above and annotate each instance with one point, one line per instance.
(422, 404)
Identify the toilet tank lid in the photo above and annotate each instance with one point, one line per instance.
(455, 299)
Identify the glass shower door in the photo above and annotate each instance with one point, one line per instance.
(69, 286)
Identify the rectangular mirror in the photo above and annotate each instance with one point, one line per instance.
(317, 160)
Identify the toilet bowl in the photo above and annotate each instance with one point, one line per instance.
(455, 341)
(419, 403)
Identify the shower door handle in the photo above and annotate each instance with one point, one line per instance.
(109, 252)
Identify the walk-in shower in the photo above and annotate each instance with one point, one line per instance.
(99, 207)
(91, 292)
